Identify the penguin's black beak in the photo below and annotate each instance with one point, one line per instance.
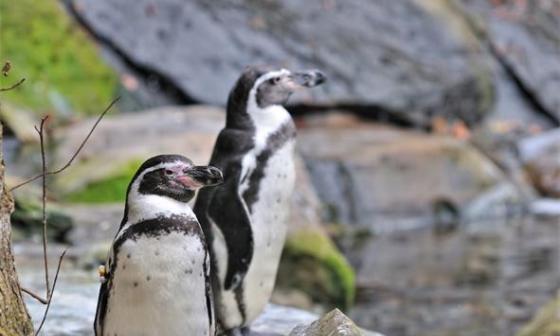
(200, 176)
(308, 78)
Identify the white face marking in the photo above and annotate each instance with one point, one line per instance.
(142, 207)
(266, 120)
(269, 117)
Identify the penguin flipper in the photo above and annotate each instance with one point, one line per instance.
(103, 297)
(228, 208)
(101, 310)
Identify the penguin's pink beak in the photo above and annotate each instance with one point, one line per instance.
(188, 182)
(200, 176)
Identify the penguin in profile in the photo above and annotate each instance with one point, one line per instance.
(245, 218)
(157, 276)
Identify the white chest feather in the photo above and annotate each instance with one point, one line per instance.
(269, 218)
(266, 121)
(152, 206)
(159, 287)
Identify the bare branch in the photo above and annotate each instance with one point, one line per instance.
(13, 86)
(51, 293)
(34, 295)
(40, 130)
(75, 153)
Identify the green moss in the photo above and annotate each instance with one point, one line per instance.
(546, 322)
(61, 65)
(111, 189)
(312, 263)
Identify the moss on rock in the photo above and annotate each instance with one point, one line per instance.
(27, 221)
(109, 189)
(312, 263)
(61, 65)
(546, 322)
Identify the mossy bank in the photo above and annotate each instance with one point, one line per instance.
(62, 67)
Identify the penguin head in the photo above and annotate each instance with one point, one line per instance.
(173, 176)
(262, 87)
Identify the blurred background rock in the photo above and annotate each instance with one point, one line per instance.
(428, 197)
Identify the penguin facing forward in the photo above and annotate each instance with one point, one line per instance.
(157, 272)
(245, 218)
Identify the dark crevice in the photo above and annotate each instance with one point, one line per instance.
(526, 92)
(145, 73)
(167, 87)
(486, 40)
(176, 95)
(366, 112)
(347, 187)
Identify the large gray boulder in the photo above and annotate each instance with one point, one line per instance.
(386, 179)
(393, 57)
(525, 37)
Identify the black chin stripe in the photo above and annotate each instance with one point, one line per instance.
(157, 227)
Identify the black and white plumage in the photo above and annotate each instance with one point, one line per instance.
(157, 280)
(245, 218)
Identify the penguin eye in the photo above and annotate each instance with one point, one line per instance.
(274, 80)
(168, 172)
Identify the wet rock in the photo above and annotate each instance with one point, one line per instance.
(395, 56)
(546, 207)
(334, 323)
(387, 179)
(523, 36)
(486, 278)
(95, 256)
(27, 219)
(541, 156)
(311, 263)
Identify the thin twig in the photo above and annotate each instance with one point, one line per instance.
(34, 295)
(13, 86)
(51, 293)
(75, 153)
(40, 131)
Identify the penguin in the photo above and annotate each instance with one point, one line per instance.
(156, 279)
(245, 218)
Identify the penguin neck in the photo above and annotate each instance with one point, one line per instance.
(266, 121)
(141, 207)
(270, 117)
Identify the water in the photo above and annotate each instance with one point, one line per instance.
(486, 278)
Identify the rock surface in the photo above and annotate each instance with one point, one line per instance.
(334, 323)
(541, 156)
(524, 37)
(135, 137)
(393, 56)
(387, 179)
